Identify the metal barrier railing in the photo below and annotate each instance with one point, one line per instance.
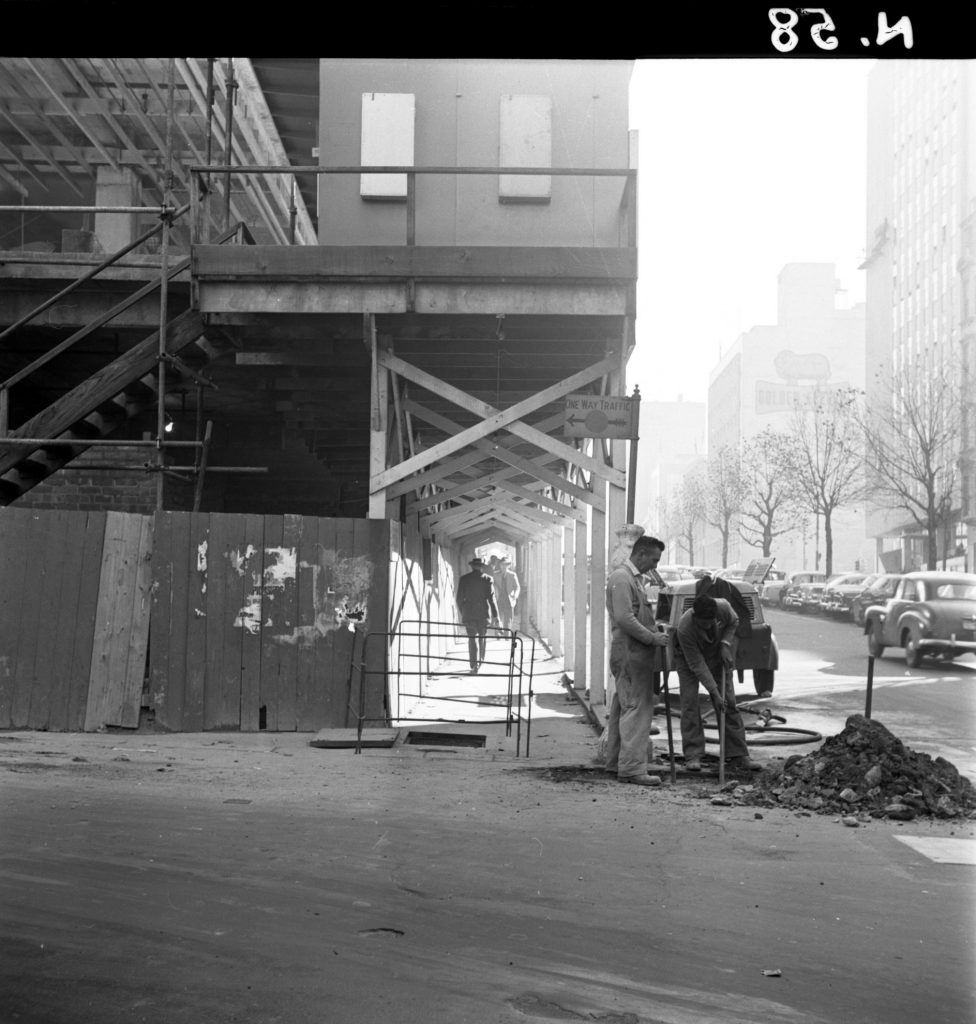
(411, 667)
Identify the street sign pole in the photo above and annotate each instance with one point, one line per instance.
(632, 469)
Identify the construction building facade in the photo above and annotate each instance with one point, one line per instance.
(283, 344)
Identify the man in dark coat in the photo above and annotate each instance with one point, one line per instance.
(476, 605)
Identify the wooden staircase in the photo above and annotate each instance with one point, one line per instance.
(93, 409)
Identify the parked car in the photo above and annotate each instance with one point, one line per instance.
(757, 651)
(790, 597)
(932, 614)
(671, 573)
(772, 587)
(876, 590)
(733, 573)
(839, 591)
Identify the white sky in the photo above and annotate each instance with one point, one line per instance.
(745, 165)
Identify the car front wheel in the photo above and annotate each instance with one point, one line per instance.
(913, 653)
(875, 645)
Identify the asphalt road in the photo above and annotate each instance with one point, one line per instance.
(222, 879)
(823, 676)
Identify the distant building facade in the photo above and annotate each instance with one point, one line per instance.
(761, 377)
(921, 264)
(672, 441)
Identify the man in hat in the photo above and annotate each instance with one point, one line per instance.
(507, 593)
(476, 605)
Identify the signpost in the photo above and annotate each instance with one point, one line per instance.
(604, 416)
(611, 417)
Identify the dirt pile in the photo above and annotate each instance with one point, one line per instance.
(864, 771)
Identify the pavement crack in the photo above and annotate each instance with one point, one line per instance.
(535, 1006)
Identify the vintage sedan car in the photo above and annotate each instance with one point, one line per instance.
(839, 591)
(671, 573)
(756, 651)
(791, 592)
(792, 596)
(772, 587)
(876, 590)
(932, 614)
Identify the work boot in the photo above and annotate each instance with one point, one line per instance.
(744, 764)
(694, 765)
(655, 729)
(640, 780)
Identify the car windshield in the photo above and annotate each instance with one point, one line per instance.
(956, 591)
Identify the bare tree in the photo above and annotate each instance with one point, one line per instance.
(912, 439)
(769, 505)
(724, 492)
(826, 456)
(687, 511)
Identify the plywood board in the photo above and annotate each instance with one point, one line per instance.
(122, 623)
(15, 528)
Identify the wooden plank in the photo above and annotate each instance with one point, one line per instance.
(137, 641)
(292, 540)
(196, 557)
(315, 701)
(53, 577)
(15, 549)
(222, 688)
(84, 630)
(273, 583)
(373, 542)
(339, 705)
(253, 617)
(31, 612)
(63, 668)
(493, 419)
(122, 624)
(165, 691)
(309, 571)
(323, 263)
(104, 683)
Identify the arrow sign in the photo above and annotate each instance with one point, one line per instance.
(601, 416)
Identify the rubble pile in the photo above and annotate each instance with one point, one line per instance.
(865, 771)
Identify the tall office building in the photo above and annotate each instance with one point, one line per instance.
(921, 275)
(815, 343)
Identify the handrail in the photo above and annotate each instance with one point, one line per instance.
(119, 307)
(199, 189)
(99, 321)
(47, 303)
(584, 172)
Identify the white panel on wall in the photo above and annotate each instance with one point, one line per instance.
(525, 140)
(387, 140)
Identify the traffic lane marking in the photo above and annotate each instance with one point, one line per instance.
(942, 851)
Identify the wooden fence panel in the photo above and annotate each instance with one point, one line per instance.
(252, 620)
(54, 582)
(15, 560)
(165, 684)
(196, 565)
(244, 619)
(85, 619)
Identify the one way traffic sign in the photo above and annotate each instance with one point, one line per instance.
(601, 416)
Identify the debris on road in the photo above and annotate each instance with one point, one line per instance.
(864, 772)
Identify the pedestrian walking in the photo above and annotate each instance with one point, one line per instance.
(507, 590)
(475, 600)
